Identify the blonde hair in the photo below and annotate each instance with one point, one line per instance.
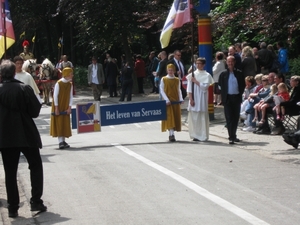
(247, 51)
(283, 86)
(258, 76)
(273, 89)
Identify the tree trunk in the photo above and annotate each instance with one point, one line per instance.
(129, 59)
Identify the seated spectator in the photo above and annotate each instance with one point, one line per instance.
(258, 80)
(250, 87)
(291, 107)
(283, 95)
(264, 104)
(265, 128)
(254, 98)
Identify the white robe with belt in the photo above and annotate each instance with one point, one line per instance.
(198, 118)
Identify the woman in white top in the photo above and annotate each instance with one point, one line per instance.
(218, 68)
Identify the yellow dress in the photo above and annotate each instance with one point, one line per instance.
(173, 111)
(60, 126)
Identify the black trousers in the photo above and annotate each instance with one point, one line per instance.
(113, 90)
(10, 158)
(232, 108)
(140, 82)
(126, 89)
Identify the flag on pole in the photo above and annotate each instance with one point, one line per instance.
(179, 14)
(6, 29)
(22, 35)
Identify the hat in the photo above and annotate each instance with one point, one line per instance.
(25, 43)
(171, 66)
(67, 71)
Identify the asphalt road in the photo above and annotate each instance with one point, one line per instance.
(131, 174)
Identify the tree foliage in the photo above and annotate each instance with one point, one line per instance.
(256, 20)
(125, 26)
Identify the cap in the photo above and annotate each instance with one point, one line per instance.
(67, 71)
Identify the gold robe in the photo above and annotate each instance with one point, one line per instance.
(60, 126)
(173, 111)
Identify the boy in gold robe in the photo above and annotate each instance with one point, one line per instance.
(171, 93)
(60, 125)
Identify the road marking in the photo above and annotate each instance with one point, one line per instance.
(201, 191)
(137, 125)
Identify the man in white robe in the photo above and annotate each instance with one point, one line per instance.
(25, 77)
(198, 117)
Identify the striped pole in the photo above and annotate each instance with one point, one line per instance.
(205, 50)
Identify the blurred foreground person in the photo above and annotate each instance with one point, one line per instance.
(18, 133)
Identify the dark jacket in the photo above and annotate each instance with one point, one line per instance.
(177, 69)
(223, 84)
(162, 70)
(18, 105)
(265, 58)
(291, 106)
(126, 73)
(111, 72)
(249, 66)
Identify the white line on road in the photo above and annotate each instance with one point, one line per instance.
(137, 125)
(201, 191)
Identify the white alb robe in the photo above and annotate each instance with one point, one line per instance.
(198, 118)
(26, 78)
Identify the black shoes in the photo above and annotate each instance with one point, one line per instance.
(38, 207)
(66, 145)
(262, 131)
(231, 142)
(63, 145)
(172, 138)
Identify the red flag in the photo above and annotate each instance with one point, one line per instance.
(183, 13)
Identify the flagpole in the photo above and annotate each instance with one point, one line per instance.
(193, 60)
(4, 27)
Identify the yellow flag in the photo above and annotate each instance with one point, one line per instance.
(92, 109)
(33, 39)
(22, 35)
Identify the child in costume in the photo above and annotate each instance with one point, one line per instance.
(60, 125)
(171, 93)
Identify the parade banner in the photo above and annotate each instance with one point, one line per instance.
(88, 117)
(127, 113)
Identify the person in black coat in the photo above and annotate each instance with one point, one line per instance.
(127, 82)
(232, 85)
(111, 72)
(18, 133)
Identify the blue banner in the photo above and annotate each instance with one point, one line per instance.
(129, 113)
